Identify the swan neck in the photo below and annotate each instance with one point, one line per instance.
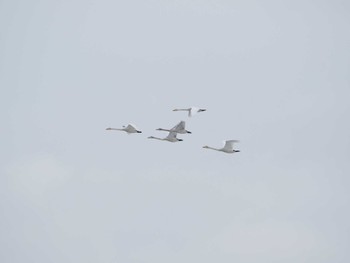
(156, 138)
(212, 148)
(116, 129)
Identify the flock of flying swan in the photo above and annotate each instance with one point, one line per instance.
(179, 128)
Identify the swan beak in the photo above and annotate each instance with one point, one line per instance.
(189, 132)
(202, 110)
(139, 131)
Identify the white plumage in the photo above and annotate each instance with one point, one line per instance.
(191, 111)
(228, 147)
(178, 128)
(128, 129)
(170, 138)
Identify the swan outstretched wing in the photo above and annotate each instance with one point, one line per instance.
(131, 128)
(193, 111)
(172, 135)
(178, 127)
(229, 145)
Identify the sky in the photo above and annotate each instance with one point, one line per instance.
(272, 74)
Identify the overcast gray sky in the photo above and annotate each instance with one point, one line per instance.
(273, 74)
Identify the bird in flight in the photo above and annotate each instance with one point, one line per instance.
(128, 129)
(170, 138)
(191, 111)
(228, 147)
(178, 128)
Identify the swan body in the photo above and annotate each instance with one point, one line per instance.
(170, 138)
(128, 129)
(191, 111)
(178, 128)
(228, 147)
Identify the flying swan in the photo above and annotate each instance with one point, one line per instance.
(191, 111)
(178, 128)
(228, 147)
(128, 129)
(170, 138)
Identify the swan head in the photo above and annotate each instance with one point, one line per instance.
(150, 137)
(159, 129)
(109, 129)
(205, 147)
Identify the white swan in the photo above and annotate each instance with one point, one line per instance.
(178, 128)
(228, 147)
(128, 129)
(191, 111)
(170, 138)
